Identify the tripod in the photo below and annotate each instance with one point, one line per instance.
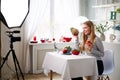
(16, 63)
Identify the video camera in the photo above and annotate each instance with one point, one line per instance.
(12, 38)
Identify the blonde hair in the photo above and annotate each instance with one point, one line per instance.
(92, 34)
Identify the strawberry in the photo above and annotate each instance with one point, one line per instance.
(64, 50)
(68, 48)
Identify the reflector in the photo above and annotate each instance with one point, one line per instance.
(14, 12)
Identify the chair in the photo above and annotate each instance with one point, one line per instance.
(108, 62)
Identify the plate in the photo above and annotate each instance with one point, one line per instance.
(66, 53)
(33, 41)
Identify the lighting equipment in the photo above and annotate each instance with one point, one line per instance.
(16, 63)
(13, 14)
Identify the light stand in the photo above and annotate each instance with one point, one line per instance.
(13, 15)
(16, 63)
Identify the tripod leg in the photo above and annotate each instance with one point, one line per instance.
(15, 66)
(16, 61)
(6, 57)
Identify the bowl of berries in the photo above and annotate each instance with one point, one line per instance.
(67, 50)
(67, 39)
(75, 52)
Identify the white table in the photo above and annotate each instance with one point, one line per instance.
(70, 66)
(38, 51)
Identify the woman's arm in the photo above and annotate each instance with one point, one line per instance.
(78, 40)
(77, 43)
(98, 49)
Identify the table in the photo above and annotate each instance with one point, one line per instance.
(70, 66)
(38, 51)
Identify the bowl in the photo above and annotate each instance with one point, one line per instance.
(67, 39)
(42, 41)
(75, 52)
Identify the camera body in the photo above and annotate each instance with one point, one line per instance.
(12, 38)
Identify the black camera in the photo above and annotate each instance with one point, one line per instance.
(12, 38)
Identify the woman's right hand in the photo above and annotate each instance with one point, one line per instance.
(74, 32)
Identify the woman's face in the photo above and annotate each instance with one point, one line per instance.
(86, 29)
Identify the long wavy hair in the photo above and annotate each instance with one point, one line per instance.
(92, 34)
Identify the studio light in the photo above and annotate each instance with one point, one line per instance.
(14, 12)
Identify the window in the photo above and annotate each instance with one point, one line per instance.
(55, 18)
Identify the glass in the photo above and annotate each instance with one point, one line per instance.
(84, 53)
(34, 38)
(56, 48)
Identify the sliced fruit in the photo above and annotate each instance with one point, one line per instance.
(74, 31)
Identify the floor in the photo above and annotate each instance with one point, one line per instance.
(40, 76)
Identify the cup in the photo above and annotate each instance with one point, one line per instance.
(112, 37)
(42, 40)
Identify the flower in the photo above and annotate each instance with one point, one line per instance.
(118, 10)
(102, 28)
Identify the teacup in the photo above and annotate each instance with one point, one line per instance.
(112, 37)
(42, 41)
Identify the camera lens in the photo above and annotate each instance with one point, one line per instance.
(13, 39)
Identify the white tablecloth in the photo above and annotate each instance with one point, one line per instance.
(70, 66)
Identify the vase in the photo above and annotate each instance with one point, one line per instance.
(102, 36)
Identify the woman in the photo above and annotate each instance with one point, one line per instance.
(90, 43)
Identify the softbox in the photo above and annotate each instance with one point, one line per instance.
(14, 12)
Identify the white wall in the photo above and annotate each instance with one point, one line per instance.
(4, 48)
